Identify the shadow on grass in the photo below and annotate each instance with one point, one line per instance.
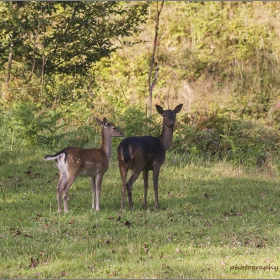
(230, 193)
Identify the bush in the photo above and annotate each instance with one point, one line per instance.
(137, 124)
(217, 136)
(24, 124)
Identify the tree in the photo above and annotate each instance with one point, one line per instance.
(64, 37)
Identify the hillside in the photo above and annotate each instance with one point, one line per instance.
(220, 59)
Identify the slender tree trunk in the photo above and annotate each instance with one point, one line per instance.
(9, 66)
(152, 80)
(42, 74)
(34, 43)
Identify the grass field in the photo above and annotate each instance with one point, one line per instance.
(215, 221)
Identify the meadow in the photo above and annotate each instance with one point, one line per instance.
(216, 220)
(219, 186)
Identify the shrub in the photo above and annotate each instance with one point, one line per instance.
(24, 124)
(217, 136)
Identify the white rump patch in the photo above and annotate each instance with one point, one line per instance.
(61, 163)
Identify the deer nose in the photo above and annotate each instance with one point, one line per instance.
(170, 124)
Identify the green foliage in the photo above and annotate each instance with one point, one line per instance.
(24, 124)
(66, 37)
(55, 45)
(137, 123)
(125, 83)
(221, 60)
(217, 136)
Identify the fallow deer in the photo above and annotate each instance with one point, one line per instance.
(145, 153)
(73, 162)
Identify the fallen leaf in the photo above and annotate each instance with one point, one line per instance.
(114, 273)
(119, 217)
(31, 174)
(38, 217)
(207, 224)
(145, 247)
(34, 262)
(91, 268)
(170, 194)
(63, 273)
(165, 265)
(127, 223)
(178, 251)
(17, 233)
(27, 235)
(44, 262)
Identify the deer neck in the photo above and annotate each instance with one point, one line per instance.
(166, 137)
(106, 144)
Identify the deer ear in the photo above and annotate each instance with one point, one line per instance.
(178, 108)
(99, 121)
(105, 122)
(159, 109)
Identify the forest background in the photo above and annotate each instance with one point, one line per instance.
(64, 63)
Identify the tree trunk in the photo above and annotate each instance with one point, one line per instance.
(152, 81)
(9, 67)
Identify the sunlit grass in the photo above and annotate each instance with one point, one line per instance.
(215, 221)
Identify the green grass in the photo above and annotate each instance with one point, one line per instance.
(215, 221)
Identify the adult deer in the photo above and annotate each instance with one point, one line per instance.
(146, 153)
(73, 162)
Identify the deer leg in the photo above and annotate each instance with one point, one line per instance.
(93, 190)
(98, 181)
(155, 180)
(145, 178)
(58, 198)
(129, 184)
(64, 196)
(123, 195)
(60, 186)
(123, 172)
(69, 183)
